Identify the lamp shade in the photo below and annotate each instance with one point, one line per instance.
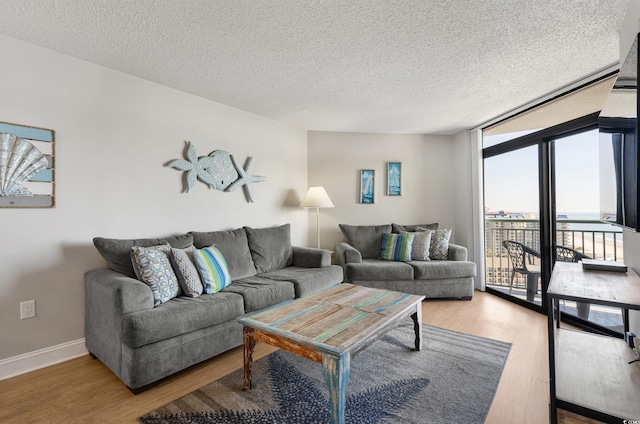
(316, 197)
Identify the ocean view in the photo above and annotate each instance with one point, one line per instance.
(581, 231)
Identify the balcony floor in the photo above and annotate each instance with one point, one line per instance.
(602, 315)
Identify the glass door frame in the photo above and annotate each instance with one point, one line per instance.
(546, 185)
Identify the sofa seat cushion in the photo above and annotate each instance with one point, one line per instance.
(179, 316)
(259, 293)
(375, 269)
(438, 270)
(234, 247)
(307, 280)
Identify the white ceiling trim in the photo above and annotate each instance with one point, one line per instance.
(544, 99)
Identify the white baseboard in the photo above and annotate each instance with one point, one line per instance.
(22, 364)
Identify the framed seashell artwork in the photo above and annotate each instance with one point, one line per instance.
(27, 168)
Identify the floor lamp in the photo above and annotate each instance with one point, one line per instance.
(317, 198)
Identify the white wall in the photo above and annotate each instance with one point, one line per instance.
(462, 174)
(114, 135)
(430, 181)
(469, 204)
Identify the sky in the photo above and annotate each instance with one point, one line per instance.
(511, 179)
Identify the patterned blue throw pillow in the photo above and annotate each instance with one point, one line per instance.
(152, 267)
(396, 247)
(212, 268)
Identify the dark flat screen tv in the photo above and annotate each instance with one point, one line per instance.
(619, 160)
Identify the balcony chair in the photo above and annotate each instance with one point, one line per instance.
(521, 264)
(566, 254)
(521, 257)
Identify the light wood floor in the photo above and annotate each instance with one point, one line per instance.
(85, 391)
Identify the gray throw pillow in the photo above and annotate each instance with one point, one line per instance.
(233, 245)
(185, 268)
(397, 228)
(439, 249)
(421, 244)
(270, 247)
(367, 239)
(117, 252)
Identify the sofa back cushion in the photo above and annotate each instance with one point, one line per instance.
(270, 247)
(117, 252)
(397, 228)
(367, 239)
(234, 247)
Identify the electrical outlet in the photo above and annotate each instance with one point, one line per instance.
(27, 309)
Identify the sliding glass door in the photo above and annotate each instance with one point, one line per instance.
(578, 231)
(524, 212)
(512, 224)
(541, 192)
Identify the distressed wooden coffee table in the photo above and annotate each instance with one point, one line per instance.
(331, 327)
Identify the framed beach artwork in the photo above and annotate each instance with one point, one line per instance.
(27, 167)
(394, 178)
(367, 186)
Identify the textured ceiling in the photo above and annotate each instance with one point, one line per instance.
(400, 66)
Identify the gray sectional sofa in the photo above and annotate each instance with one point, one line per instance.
(360, 252)
(143, 343)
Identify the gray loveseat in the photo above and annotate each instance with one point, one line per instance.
(142, 343)
(359, 255)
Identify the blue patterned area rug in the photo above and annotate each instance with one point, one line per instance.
(452, 380)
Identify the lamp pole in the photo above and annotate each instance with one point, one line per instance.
(318, 225)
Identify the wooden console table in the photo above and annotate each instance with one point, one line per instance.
(590, 374)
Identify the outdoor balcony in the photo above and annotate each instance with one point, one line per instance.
(589, 237)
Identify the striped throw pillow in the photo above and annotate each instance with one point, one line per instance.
(396, 247)
(212, 268)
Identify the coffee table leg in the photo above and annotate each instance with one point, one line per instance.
(249, 344)
(417, 325)
(336, 375)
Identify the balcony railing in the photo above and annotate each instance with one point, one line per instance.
(592, 238)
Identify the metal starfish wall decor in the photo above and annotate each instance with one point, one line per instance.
(220, 170)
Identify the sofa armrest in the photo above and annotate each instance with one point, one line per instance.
(309, 257)
(457, 253)
(125, 294)
(108, 296)
(347, 254)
